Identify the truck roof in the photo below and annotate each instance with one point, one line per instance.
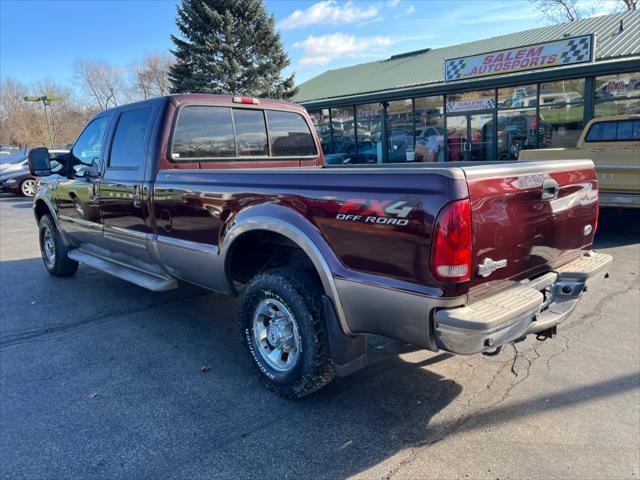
(179, 99)
(211, 99)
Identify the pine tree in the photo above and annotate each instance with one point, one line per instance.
(231, 47)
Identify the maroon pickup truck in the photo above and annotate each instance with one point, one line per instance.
(230, 193)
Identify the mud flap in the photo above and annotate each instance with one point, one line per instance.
(349, 354)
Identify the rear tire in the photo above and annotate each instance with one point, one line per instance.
(283, 330)
(54, 251)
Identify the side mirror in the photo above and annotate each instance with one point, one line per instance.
(39, 162)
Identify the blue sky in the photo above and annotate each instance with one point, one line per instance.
(41, 39)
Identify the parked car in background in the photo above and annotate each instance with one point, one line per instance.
(8, 149)
(15, 176)
(613, 143)
(452, 256)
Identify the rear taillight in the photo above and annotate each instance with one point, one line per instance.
(451, 260)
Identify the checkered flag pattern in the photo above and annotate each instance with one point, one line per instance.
(454, 69)
(488, 103)
(577, 51)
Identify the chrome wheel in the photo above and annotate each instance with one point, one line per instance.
(49, 247)
(28, 187)
(275, 335)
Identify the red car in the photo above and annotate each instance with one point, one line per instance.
(16, 178)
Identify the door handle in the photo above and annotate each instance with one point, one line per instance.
(137, 197)
(550, 189)
(93, 191)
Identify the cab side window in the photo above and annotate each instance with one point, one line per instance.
(602, 132)
(620, 131)
(88, 147)
(128, 146)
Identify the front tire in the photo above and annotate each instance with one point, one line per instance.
(54, 251)
(283, 330)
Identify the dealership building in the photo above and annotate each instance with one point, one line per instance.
(481, 100)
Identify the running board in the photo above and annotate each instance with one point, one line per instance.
(150, 281)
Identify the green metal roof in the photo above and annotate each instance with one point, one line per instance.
(427, 67)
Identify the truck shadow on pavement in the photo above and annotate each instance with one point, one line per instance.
(617, 227)
(156, 385)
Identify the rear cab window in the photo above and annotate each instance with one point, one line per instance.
(209, 133)
(614, 131)
(289, 135)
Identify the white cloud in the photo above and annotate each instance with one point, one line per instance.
(328, 12)
(410, 10)
(326, 48)
(393, 3)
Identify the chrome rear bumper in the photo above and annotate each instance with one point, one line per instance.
(532, 306)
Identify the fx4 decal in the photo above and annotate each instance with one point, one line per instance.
(381, 212)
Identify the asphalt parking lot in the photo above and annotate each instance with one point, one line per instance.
(102, 379)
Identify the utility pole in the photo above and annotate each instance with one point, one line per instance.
(46, 101)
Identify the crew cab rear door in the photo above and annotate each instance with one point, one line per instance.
(528, 218)
(123, 190)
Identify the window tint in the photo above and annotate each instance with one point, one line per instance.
(127, 149)
(602, 132)
(251, 133)
(625, 130)
(203, 132)
(87, 148)
(612, 131)
(289, 135)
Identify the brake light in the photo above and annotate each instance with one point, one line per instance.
(246, 100)
(451, 260)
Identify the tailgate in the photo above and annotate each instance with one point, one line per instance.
(521, 229)
(618, 169)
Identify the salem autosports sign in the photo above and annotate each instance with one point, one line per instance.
(567, 51)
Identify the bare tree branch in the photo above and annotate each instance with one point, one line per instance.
(561, 11)
(150, 77)
(99, 81)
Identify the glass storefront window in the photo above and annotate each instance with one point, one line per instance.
(369, 131)
(617, 94)
(400, 131)
(467, 101)
(617, 107)
(429, 129)
(565, 122)
(517, 130)
(522, 96)
(344, 136)
(320, 120)
(624, 85)
(562, 92)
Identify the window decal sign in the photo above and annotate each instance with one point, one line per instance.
(568, 51)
